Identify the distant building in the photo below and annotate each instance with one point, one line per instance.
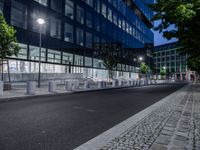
(169, 58)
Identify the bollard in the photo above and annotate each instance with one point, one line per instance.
(86, 84)
(1, 88)
(68, 85)
(104, 84)
(120, 82)
(114, 83)
(75, 84)
(52, 87)
(129, 82)
(100, 84)
(30, 88)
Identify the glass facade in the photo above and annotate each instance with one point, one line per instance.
(18, 15)
(75, 30)
(167, 56)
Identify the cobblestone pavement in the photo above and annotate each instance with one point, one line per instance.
(175, 125)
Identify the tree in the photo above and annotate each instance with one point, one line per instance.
(193, 63)
(144, 68)
(162, 72)
(185, 16)
(110, 63)
(8, 41)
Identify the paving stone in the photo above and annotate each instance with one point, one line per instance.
(158, 147)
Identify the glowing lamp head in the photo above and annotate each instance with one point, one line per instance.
(40, 21)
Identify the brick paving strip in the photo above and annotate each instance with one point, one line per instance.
(170, 124)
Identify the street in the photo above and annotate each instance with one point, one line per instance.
(67, 121)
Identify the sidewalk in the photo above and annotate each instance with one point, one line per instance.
(19, 91)
(170, 124)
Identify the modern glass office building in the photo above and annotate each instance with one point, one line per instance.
(74, 31)
(168, 57)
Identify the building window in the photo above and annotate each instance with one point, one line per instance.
(89, 42)
(69, 30)
(89, 2)
(110, 14)
(79, 37)
(80, 15)
(69, 9)
(56, 5)
(104, 10)
(97, 24)
(1, 5)
(43, 2)
(67, 58)
(78, 60)
(88, 61)
(34, 53)
(22, 53)
(97, 6)
(115, 18)
(55, 28)
(89, 21)
(54, 56)
(18, 15)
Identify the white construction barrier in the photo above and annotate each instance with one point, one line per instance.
(31, 87)
(100, 84)
(52, 87)
(114, 83)
(1, 88)
(75, 84)
(86, 84)
(120, 82)
(69, 85)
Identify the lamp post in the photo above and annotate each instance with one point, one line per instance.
(140, 60)
(40, 21)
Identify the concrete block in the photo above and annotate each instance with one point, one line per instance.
(31, 87)
(52, 86)
(1, 88)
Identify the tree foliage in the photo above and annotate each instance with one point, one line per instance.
(110, 62)
(144, 68)
(163, 72)
(185, 16)
(8, 40)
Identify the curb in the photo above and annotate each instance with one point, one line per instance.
(9, 99)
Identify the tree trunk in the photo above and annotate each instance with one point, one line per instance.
(1, 69)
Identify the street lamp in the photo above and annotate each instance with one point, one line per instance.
(140, 59)
(41, 22)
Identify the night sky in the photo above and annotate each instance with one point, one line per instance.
(159, 39)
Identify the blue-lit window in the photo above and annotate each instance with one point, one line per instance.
(69, 30)
(79, 37)
(97, 5)
(1, 5)
(89, 42)
(55, 27)
(104, 10)
(54, 56)
(89, 20)
(97, 24)
(43, 2)
(115, 18)
(56, 5)
(69, 9)
(89, 2)
(80, 14)
(18, 14)
(110, 14)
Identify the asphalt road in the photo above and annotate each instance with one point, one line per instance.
(67, 121)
